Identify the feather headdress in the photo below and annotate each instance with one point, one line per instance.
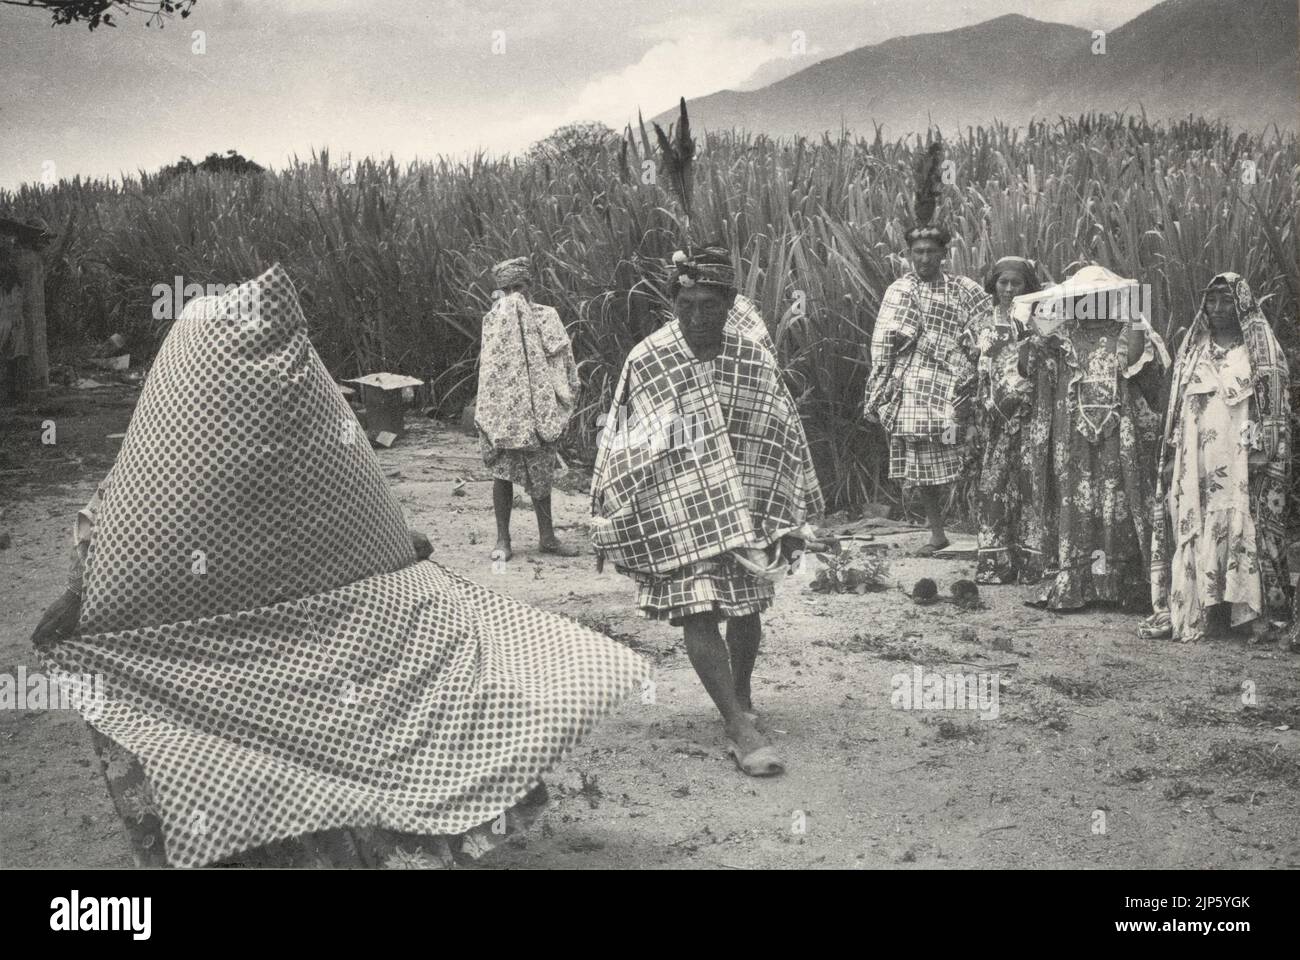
(677, 148)
(929, 190)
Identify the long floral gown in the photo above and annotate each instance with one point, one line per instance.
(1009, 520)
(1092, 445)
(1220, 534)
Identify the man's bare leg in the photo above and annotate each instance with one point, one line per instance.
(932, 501)
(712, 665)
(503, 500)
(743, 636)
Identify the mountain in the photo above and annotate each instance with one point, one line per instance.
(1235, 59)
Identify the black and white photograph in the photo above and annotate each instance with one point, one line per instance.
(790, 435)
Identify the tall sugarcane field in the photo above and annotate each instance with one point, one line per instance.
(392, 259)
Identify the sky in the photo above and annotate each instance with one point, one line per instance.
(414, 78)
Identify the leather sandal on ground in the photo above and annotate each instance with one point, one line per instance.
(763, 762)
(1156, 627)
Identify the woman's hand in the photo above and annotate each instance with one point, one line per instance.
(1137, 340)
(59, 623)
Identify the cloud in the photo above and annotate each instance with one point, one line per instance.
(697, 59)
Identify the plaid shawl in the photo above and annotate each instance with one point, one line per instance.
(923, 353)
(699, 459)
(744, 320)
(271, 649)
(1270, 412)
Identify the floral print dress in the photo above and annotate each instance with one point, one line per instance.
(1215, 558)
(1009, 520)
(1220, 523)
(1092, 445)
(527, 390)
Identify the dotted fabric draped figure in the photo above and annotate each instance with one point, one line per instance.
(284, 679)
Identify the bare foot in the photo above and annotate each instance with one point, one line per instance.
(558, 549)
(745, 735)
(502, 551)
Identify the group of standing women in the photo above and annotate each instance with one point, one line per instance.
(1085, 488)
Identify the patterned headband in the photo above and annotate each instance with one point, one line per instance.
(508, 273)
(703, 267)
(938, 234)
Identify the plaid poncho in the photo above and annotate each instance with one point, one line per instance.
(697, 459)
(923, 352)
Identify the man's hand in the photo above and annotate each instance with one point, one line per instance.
(59, 622)
(423, 548)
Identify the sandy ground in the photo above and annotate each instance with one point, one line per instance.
(1107, 751)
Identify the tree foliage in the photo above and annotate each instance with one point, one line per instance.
(231, 162)
(100, 13)
(574, 141)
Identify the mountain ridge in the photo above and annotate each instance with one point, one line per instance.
(1214, 58)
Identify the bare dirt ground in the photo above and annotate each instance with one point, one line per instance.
(1107, 751)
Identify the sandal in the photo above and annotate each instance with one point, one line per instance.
(1158, 626)
(501, 553)
(763, 762)
(930, 549)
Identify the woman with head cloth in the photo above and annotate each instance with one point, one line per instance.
(1096, 365)
(1010, 548)
(278, 676)
(527, 391)
(1218, 555)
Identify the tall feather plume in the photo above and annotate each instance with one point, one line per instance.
(677, 148)
(929, 182)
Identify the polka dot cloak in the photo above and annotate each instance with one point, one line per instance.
(302, 671)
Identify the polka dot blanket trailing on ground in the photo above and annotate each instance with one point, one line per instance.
(273, 652)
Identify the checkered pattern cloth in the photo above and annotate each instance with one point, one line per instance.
(699, 458)
(924, 463)
(720, 585)
(923, 355)
(745, 321)
(922, 380)
(271, 650)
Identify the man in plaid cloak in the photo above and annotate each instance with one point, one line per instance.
(704, 484)
(923, 372)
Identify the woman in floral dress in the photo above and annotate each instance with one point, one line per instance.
(527, 391)
(1218, 555)
(1093, 438)
(1009, 550)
